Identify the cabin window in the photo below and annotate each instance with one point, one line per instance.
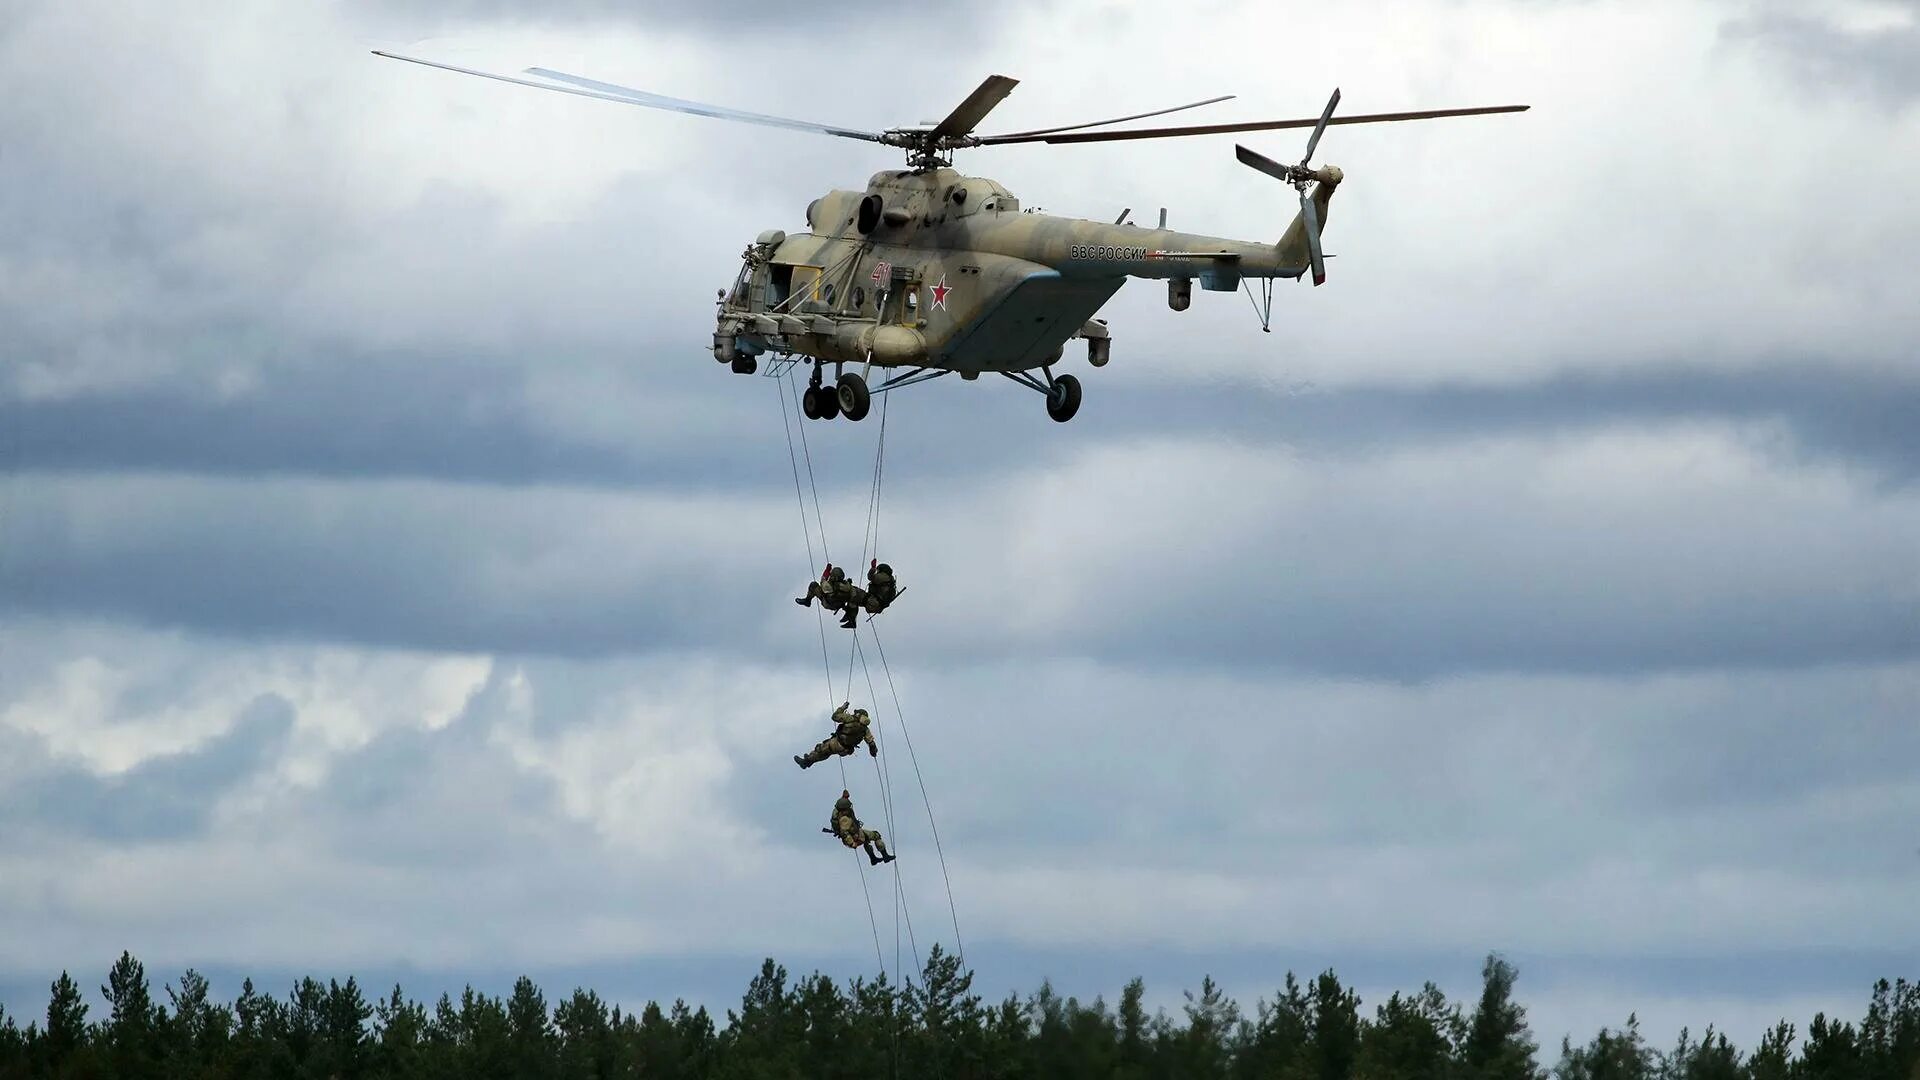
(779, 285)
(828, 292)
(859, 297)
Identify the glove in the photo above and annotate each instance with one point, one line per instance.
(873, 751)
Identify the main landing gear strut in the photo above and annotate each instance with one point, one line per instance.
(849, 397)
(1062, 392)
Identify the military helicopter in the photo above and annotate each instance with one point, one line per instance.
(929, 272)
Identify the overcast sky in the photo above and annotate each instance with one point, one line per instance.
(391, 583)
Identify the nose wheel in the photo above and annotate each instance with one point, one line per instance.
(819, 403)
(848, 397)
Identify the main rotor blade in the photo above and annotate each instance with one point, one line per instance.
(627, 96)
(1256, 125)
(1321, 128)
(967, 115)
(1117, 119)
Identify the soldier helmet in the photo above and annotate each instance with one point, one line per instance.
(884, 568)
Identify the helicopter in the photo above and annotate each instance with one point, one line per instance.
(928, 272)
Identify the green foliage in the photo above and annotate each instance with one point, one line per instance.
(1498, 1045)
(1612, 1055)
(934, 1026)
(1411, 1038)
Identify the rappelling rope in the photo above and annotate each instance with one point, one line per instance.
(870, 540)
(870, 546)
(805, 532)
(886, 788)
(873, 922)
(960, 949)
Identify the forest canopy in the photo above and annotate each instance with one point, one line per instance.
(934, 1025)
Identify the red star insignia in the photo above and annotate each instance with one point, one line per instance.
(940, 292)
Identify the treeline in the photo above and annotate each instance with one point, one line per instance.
(935, 1026)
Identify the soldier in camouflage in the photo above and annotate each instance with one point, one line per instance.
(850, 832)
(833, 590)
(851, 728)
(875, 598)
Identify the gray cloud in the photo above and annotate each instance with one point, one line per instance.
(481, 420)
(1549, 580)
(1754, 864)
(166, 797)
(1883, 62)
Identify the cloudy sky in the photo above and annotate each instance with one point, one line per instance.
(391, 584)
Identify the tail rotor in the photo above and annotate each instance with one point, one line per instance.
(1300, 176)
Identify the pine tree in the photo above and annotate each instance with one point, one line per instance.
(400, 1029)
(1333, 1028)
(1773, 1060)
(1498, 1045)
(588, 1050)
(1712, 1058)
(530, 1038)
(342, 1038)
(1276, 1043)
(1612, 1055)
(1133, 1030)
(1213, 1021)
(133, 1020)
(944, 1021)
(13, 1047)
(1410, 1038)
(66, 1033)
(195, 1039)
(1831, 1052)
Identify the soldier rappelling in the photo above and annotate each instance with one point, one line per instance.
(853, 834)
(851, 728)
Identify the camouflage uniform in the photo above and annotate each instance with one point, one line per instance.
(833, 590)
(848, 829)
(875, 598)
(881, 588)
(851, 728)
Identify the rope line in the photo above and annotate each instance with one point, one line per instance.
(960, 949)
(873, 921)
(806, 534)
(886, 788)
(870, 539)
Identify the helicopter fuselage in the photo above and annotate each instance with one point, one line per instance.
(928, 268)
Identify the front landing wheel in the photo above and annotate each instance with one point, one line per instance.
(1063, 398)
(854, 398)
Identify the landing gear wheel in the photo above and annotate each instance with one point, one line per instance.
(745, 365)
(829, 403)
(1063, 398)
(810, 403)
(854, 398)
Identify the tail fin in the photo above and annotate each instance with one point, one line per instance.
(1300, 246)
(1293, 247)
